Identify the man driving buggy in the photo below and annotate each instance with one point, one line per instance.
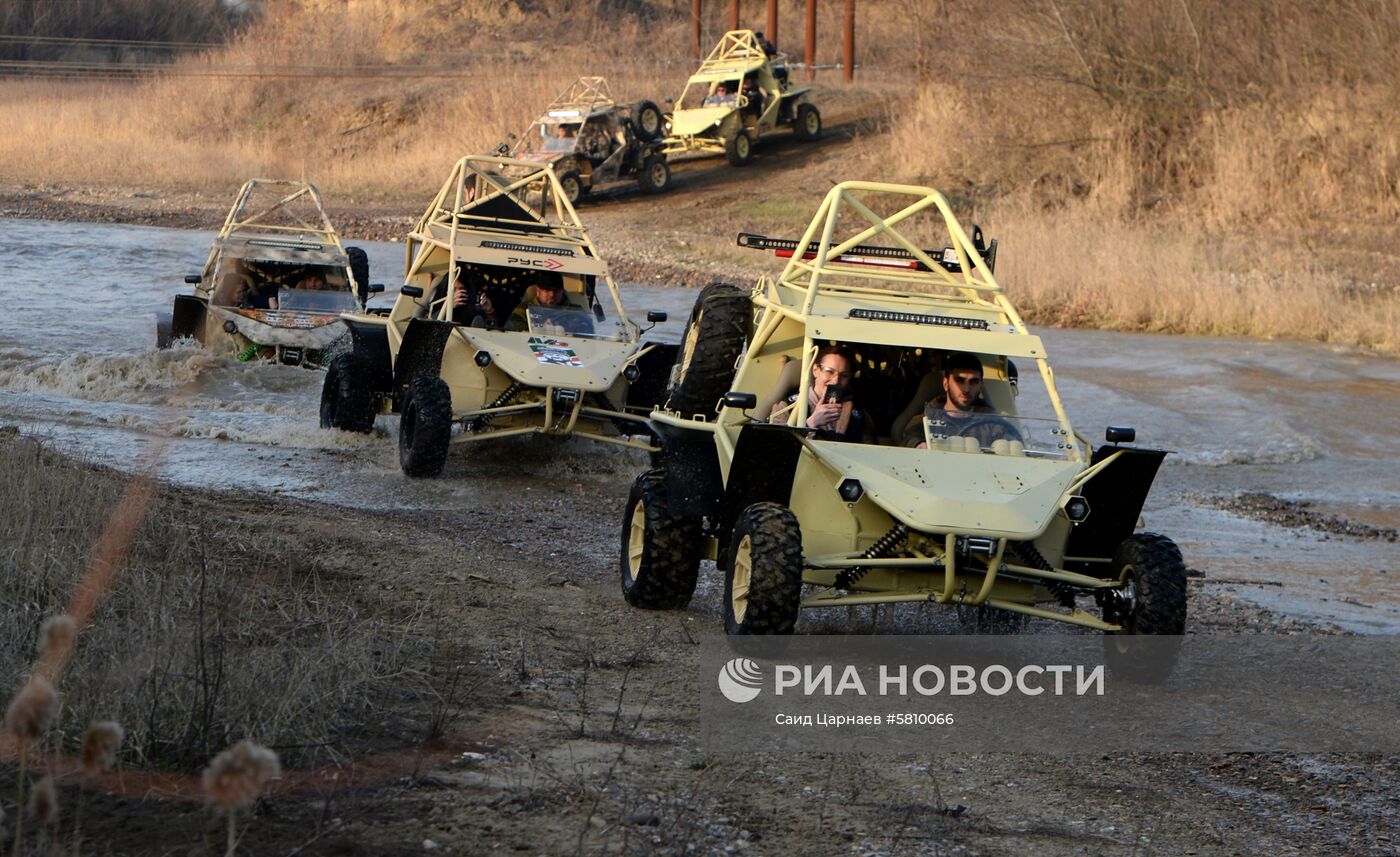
(956, 413)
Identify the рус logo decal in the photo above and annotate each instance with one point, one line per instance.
(740, 680)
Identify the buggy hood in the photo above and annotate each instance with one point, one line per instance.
(546, 360)
(938, 491)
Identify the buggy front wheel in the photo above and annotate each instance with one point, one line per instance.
(660, 550)
(655, 174)
(425, 428)
(739, 149)
(1150, 608)
(763, 576)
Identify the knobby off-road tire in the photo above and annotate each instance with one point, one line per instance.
(346, 403)
(807, 124)
(660, 552)
(655, 174)
(359, 269)
(425, 428)
(739, 149)
(1155, 575)
(647, 119)
(714, 338)
(763, 577)
(572, 185)
(165, 327)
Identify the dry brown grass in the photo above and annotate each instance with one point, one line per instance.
(207, 634)
(1260, 145)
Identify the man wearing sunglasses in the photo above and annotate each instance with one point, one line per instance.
(956, 412)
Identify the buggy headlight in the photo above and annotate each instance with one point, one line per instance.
(230, 327)
(850, 490)
(483, 359)
(1076, 509)
(631, 372)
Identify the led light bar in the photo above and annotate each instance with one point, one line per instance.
(527, 248)
(919, 318)
(285, 244)
(563, 114)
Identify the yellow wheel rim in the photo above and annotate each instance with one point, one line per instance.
(742, 577)
(636, 540)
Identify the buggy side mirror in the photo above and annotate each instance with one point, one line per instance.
(193, 279)
(742, 401)
(376, 288)
(655, 317)
(411, 291)
(1120, 434)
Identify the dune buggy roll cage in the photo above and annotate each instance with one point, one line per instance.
(947, 281)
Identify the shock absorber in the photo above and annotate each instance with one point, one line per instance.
(505, 398)
(881, 548)
(1032, 557)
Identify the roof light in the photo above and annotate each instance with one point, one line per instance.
(289, 245)
(563, 114)
(527, 248)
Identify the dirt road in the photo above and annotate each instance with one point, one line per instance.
(571, 728)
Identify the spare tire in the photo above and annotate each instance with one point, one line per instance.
(359, 269)
(714, 339)
(648, 122)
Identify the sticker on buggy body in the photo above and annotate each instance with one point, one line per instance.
(553, 352)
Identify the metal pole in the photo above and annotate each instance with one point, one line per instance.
(848, 43)
(810, 57)
(733, 14)
(695, 29)
(773, 22)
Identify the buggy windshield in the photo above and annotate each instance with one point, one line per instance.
(557, 136)
(1001, 434)
(712, 93)
(316, 301)
(572, 321)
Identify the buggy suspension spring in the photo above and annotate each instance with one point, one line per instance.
(623, 426)
(505, 398)
(1032, 557)
(883, 545)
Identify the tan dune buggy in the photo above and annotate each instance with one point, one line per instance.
(591, 140)
(275, 283)
(508, 323)
(740, 93)
(1005, 506)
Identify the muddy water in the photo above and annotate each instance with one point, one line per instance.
(1303, 422)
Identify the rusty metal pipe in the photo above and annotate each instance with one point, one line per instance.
(848, 42)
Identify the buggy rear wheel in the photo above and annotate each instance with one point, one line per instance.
(425, 428)
(660, 551)
(807, 126)
(655, 174)
(714, 337)
(763, 578)
(1151, 603)
(739, 149)
(345, 401)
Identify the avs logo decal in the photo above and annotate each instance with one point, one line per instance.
(546, 264)
(740, 680)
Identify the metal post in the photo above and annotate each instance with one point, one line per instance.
(810, 57)
(848, 43)
(773, 22)
(733, 14)
(695, 29)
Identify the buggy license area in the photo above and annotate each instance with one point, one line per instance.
(275, 283)
(508, 323)
(882, 441)
(591, 140)
(741, 92)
